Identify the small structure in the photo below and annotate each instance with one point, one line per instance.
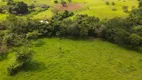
(43, 21)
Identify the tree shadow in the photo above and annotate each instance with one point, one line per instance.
(136, 49)
(39, 43)
(34, 66)
(30, 66)
(3, 57)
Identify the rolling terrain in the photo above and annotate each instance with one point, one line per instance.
(96, 8)
(65, 59)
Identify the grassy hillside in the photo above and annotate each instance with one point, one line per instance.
(67, 59)
(91, 7)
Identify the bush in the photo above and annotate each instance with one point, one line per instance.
(125, 9)
(63, 3)
(33, 35)
(107, 3)
(13, 69)
(1, 10)
(114, 9)
(3, 51)
(61, 16)
(137, 30)
(135, 16)
(32, 6)
(69, 1)
(140, 4)
(17, 7)
(113, 3)
(56, 1)
(116, 31)
(23, 57)
(135, 39)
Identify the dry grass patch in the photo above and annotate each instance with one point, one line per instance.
(69, 7)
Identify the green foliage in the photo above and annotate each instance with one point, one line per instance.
(115, 30)
(107, 3)
(63, 3)
(140, 3)
(17, 7)
(64, 15)
(120, 32)
(33, 35)
(13, 69)
(125, 9)
(113, 3)
(3, 51)
(81, 26)
(55, 1)
(137, 30)
(32, 6)
(135, 39)
(135, 16)
(23, 57)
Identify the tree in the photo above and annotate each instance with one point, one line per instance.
(135, 16)
(32, 6)
(56, 1)
(113, 3)
(22, 7)
(17, 7)
(1, 10)
(70, 1)
(125, 9)
(23, 57)
(135, 39)
(63, 3)
(107, 3)
(140, 4)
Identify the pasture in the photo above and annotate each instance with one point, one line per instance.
(96, 8)
(66, 59)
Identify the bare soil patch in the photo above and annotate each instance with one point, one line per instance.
(69, 7)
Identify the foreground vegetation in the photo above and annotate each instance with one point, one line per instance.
(66, 59)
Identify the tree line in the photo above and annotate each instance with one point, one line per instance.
(121, 31)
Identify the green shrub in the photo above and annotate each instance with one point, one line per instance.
(17, 7)
(114, 9)
(107, 3)
(140, 4)
(113, 3)
(23, 57)
(125, 9)
(63, 3)
(135, 39)
(56, 1)
(13, 69)
(33, 35)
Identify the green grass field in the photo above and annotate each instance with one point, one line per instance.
(91, 7)
(68, 59)
(100, 9)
